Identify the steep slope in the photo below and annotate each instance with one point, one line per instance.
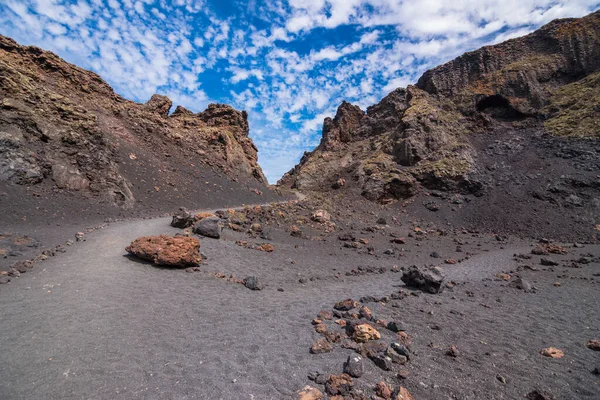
(479, 127)
(65, 134)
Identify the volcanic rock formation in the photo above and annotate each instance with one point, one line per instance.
(485, 123)
(63, 129)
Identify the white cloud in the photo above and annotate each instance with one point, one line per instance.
(290, 70)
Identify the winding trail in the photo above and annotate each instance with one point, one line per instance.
(92, 323)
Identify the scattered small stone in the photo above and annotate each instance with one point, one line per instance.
(435, 254)
(401, 349)
(321, 346)
(501, 379)
(381, 221)
(521, 284)
(452, 351)
(395, 357)
(266, 247)
(402, 374)
(403, 394)
(354, 366)
(396, 326)
(548, 262)
(339, 384)
(346, 305)
(450, 261)
(594, 345)
(310, 393)
(596, 371)
(539, 395)
(383, 362)
(321, 216)
(365, 313)
(182, 219)
(79, 236)
(365, 332)
(193, 269)
(253, 283)
(552, 352)
(210, 227)
(383, 390)
(4, 279)
(431, 281)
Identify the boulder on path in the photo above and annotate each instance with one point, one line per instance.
(430, 281)
(209, 227)
(182, 219)
(172, 251)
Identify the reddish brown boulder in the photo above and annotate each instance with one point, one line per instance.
(321, 346)
(383, 390)
(174, 251)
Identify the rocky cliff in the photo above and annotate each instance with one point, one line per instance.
(64, 130)
(491, 122)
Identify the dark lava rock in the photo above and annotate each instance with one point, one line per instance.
(539, 395)
(548, 262)
(395, 356)
(430, 281)
(369, 299)
(209, 227)
(521, 284)
(431, 205)
(253, 283)
(435, 254)
(354, 366)
(596, 371)
(182, 219)
(383, 362)
(381, 221)
(396, 326)
(347, 237)
(401, 349)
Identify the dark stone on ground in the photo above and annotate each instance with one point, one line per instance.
(182, 219)
(430, 281)
(253, 283)
(354, 366)
(209, 227)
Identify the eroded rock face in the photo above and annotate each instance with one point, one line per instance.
(172, 251)
(519, 75)
(62, 127)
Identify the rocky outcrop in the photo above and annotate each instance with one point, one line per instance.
(518, 76)
(431, 135)
(63, 128)
(409, 137)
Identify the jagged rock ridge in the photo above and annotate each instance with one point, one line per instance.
(421, 135)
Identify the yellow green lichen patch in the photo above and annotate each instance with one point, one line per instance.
(574, 109)
(444, 168)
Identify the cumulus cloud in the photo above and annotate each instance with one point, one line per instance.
(288, 62)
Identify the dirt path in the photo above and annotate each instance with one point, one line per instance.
(93, 323)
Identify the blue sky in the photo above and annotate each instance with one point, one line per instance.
(288, 63)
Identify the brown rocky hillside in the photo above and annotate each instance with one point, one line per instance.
(69, 142)
(513, 126)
